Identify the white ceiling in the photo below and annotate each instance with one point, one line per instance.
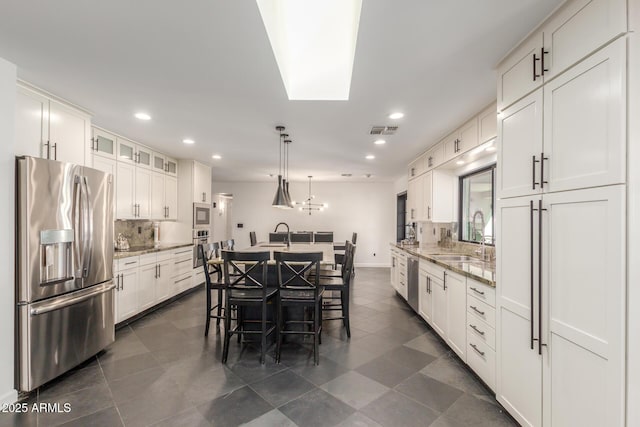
(204, 69)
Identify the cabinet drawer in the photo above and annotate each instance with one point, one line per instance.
(181, 283)
(484, 293)
(482, 310)
(182, 266)
(181, 252)
(148, 259)
(163, 256)
(126, 263)
(482, 359)
(480, 330)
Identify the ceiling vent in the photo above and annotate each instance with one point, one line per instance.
(383, 130)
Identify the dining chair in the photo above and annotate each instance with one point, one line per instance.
(207, 252)
(298, 290)
(302, 237)
(252, 238)
(245, 278)
(323, 237)
(279, 237)
(341, 285)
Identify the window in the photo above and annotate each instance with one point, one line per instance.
(477, 198)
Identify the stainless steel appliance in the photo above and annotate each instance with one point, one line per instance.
(200, 237)
(201, 215)
(412, 281)
(64, 277)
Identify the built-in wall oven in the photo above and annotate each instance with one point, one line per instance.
(200, 237)
(201, 215)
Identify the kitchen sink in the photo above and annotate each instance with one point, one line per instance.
(457, 258)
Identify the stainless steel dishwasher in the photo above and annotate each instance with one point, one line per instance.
(412, 282)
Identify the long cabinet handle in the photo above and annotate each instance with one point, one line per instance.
(122, 282)
(481, 353)
(474, 308)
(180, 262)
(48, 145)
(540, 209)
(475, 328)
(444, 281)
(55, 151)
(531, 210)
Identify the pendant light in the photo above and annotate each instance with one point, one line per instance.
(286, 185)
(279, 200)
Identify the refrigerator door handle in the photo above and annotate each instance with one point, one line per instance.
(87, 229)
(68, 300)
(77, 221)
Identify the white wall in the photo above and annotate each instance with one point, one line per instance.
(7, 226)
(365, 208)
(633, 209)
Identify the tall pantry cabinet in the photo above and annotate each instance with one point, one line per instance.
(561, 229)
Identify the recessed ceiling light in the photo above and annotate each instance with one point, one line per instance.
(491, 148)
(379, 141)
(142, 116)
(395, 116)
(216, 156)
(188, 141)
(370, 157)
(460, 162)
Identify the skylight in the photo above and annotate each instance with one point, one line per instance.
(314, 43)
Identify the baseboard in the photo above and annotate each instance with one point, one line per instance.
(373, 265)
(9, 397)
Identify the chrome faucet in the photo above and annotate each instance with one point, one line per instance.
(482, 250)
(288, 232)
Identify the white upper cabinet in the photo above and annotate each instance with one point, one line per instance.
(434, 157)
(32, 123)
(143, 193)
(519, 73)
(163, 163)
(125, 191)
(416, 168)
(415, 199)
(201, 183)
(171, 166)
(171, 197)
(158, 205)
(103, 144)
(487, 124)
(462, 140)
(143, 157)
(577, 29)
(50, 129)
(585, 123)
(520, 147)
(126, 151)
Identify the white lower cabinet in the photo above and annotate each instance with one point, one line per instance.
(126, 281)
(402, 288)
(146, 280)
(455, 287)
(481, 332)
(560, 336)
(425, 296)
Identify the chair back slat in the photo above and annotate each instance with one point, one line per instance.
(323, 237)
(297, 265)
(302, 237)
(245, 270)
(252, 238)
(206, 252)
(278, 237)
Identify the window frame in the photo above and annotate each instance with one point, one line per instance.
(491, 168)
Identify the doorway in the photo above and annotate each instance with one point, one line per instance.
(401, 215)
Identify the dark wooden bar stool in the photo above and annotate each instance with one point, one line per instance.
(245, 277)
(207, 252)
(341, 285)
(296, 289)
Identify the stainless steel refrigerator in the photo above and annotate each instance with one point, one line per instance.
(64, 273)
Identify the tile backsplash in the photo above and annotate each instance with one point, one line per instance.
(445, 235)
(138, 232)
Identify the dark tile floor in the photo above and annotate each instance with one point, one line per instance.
(161, 371)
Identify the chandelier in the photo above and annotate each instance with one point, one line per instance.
(308, 205)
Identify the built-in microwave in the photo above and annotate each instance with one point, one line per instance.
(201, 215)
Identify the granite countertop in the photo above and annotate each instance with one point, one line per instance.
(482, 271)
(142, 250)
